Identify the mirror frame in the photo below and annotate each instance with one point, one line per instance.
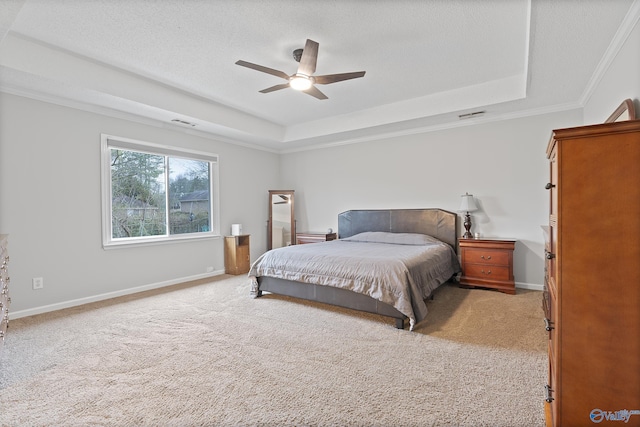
(626, 111)
(272, 193)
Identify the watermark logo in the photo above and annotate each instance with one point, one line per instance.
(598, 415)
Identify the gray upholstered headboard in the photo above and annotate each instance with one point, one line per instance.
(438, 223)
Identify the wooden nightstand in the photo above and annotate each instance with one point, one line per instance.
(310, 237)
(488, 263)
(236, 254)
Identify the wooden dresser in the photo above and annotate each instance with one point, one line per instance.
(5, 300)
(592, 276)
(313, 237)
(488, 263)
(237, 254)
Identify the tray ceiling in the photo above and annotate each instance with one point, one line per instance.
(426, 62)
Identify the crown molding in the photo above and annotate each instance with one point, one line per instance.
(624, 31)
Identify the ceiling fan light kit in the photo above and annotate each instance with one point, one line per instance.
(303, 79)
(300, 82)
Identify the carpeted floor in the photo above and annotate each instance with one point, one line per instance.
(206, 354)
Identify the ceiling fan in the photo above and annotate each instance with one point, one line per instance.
(285, 199)
(303, 79)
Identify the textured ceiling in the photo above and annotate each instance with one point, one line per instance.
(426, 62)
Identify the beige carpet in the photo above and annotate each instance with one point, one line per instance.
(205, 354)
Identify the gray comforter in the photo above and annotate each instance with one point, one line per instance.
(400, 270)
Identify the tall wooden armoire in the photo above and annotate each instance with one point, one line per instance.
(592, 276)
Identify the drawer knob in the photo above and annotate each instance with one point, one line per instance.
(549, 186)
(488, 257)
(486, 272)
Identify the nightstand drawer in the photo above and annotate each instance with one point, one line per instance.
(487, 272)
(486, 256)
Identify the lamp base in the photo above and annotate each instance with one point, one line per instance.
(467, 227)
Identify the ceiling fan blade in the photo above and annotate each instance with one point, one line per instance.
(267, 70)
(274, 88)
(313, 91)
(309, 57)
(333, 78)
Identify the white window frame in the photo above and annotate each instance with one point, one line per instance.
(107, 142)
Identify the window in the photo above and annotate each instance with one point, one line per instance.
(154, 193)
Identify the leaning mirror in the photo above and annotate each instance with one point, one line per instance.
(626, 111)
(282, 224)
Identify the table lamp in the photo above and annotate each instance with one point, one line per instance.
(467, 205)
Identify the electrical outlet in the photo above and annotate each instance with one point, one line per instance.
(209, 269)
(38, 282)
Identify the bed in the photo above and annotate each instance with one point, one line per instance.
(386, 262)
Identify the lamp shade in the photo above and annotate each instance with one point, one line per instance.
(467, 204)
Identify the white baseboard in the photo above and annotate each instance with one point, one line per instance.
(109, 295)
(129, 291)
(531, 286)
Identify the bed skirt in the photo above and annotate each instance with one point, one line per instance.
(329, 295)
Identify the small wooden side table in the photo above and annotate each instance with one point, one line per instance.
(236, 254)
(488, 263)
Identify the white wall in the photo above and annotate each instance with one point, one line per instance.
(621, 81)
(503, 164)
(50, 204)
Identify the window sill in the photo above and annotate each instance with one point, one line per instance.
(158, 240)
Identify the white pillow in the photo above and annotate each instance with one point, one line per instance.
(394, 238)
